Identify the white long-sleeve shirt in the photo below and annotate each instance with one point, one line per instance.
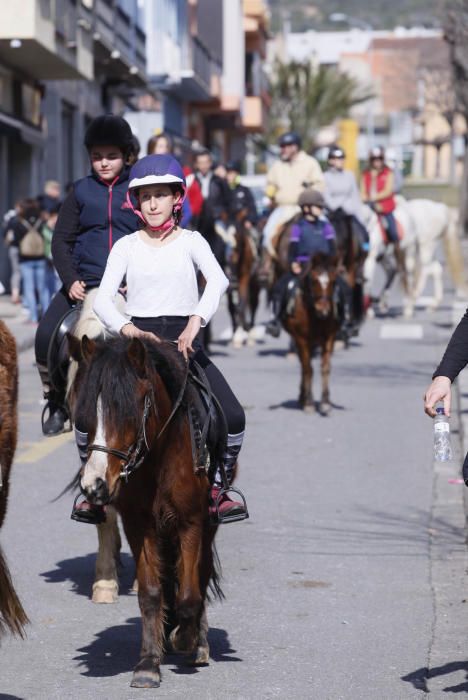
(161, 281)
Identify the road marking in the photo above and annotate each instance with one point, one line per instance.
(43, 448)
(401, 331)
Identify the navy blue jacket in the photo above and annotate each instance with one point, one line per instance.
(310, 237)
(90, 221)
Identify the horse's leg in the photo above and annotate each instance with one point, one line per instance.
(106, 586)
(202, 653)
(327, 350)
(437, 273)
(184, 637)
(147, 671)
(305, 396)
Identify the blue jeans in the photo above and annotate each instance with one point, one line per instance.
(33, 275)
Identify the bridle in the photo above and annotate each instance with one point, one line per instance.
(134, 456)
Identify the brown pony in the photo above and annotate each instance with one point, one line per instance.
(12, 615)
(132, 400)
(314, 325)
(244, 289)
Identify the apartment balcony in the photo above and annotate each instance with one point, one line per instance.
(199, 78)
(44, 40)
(119, 46)
(255, 115)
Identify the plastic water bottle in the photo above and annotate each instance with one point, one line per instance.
(442, 446)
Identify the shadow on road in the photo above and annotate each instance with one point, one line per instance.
(419, 678)
(115, 650)
(294, 404)
(80, 571)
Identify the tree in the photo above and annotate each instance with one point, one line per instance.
(306, 98)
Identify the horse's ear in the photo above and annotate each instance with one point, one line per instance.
(136, 353)
(74, 347)
(88, 347)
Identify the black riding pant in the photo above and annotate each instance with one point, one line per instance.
(58, 307)
(169, 328)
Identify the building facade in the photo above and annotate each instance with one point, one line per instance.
(62, 62)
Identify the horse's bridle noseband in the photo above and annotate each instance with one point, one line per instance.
(136, 453)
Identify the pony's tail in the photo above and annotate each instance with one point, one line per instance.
(12, 616)
(454, 254)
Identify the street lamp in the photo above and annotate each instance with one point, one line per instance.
(366, 26)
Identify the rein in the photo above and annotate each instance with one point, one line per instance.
(134, 456)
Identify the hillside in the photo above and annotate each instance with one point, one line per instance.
(380, 14)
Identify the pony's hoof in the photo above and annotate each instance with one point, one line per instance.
(370, 312)
(308, 409)
(135, 586)
(181, 643)
(325, 409)
(105, 592)
(201, 658)
(145, 679)
(291, 355)
(146, 674)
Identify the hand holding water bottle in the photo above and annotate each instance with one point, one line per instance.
(439, 391)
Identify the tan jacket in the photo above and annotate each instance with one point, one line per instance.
(287, 179)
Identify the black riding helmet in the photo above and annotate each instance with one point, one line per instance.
(109, 130)
(336, 152)
(290, 138)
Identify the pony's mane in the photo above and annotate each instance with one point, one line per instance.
(112, 377)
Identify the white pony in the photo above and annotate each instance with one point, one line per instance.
(424, 223)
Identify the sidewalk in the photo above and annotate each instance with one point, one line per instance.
(16, 320)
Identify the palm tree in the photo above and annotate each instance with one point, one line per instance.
(306, 98)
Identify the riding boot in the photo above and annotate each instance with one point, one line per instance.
(55, 406)
(273, 327)
(85, 512)
(222, 508)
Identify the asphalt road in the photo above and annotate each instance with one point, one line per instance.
(346, 582)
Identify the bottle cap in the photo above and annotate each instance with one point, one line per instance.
(440, 411)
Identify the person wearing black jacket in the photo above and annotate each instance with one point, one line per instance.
(211, 222)
(240, 196)
(91, 219)
(454, 360)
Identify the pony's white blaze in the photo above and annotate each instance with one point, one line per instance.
(96, 465)
(324, 279)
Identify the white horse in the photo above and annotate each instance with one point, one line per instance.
(424, 223)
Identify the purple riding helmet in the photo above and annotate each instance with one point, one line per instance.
(156, 170)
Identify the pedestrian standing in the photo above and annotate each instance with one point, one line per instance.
(13, 252)
(48, 227)
(27, 235)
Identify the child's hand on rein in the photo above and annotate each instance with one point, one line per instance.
(131, 331)
(188, 335)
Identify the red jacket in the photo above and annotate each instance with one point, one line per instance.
(374, 182)
(194, 192)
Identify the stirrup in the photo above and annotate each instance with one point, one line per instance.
(219, 519)
(91, 517)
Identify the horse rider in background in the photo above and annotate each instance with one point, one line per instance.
(311, 234)
(378, 191)
(287, 178)
(241, 199)
(212, 220)
(342, 195)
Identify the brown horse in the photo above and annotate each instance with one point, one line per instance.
(12, 615)
(314, 325)
(132, 399)
(244, 289)
(352, 257)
